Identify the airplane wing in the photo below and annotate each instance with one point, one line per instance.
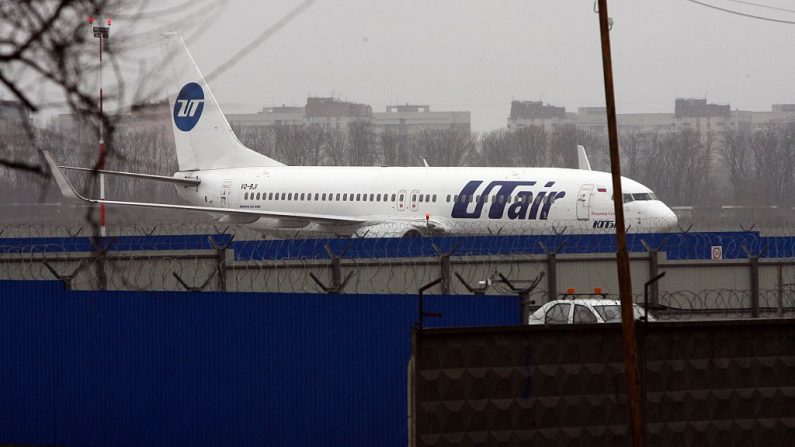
(186, 181)
(69, 192)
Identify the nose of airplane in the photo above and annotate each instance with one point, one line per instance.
(667, 220)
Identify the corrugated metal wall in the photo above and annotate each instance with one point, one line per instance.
(169, 368)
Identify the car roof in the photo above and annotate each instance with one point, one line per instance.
(591, 301)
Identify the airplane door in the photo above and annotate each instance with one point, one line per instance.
(413, 200)
(584, 202)
(226, 191)
(401, 204)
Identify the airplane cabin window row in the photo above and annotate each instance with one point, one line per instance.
(472, 198)
(322, 197)
(421, 198)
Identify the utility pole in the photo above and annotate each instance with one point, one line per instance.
(631, 367)
(101, 32)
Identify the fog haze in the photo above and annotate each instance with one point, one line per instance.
(478, 56)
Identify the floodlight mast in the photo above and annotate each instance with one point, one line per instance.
(101, 31)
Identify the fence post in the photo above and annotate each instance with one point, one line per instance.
(754, 262)
(654, 270)
(223, 256)
(552, 270)
(337, 282)
(780, 296)
(524, 294)
(100, 246)
(444, 266)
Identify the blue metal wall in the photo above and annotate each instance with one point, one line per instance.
(677, 245)
(178, 368)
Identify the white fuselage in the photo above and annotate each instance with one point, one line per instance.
(395, 200)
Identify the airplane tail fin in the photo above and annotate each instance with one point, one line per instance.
(203, 137)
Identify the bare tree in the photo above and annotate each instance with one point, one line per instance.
(563, 143)
(774, 161)
(442, 147)
(390, 147)
(737, 157)
(336, 148)
(362, 148)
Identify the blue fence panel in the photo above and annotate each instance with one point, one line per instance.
(678, 246)
(178, 368)
(113, 243)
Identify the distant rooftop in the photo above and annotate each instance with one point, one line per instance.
(408, 108)
(282, 109)
(699, 108)
(535, 110)
(328, 107)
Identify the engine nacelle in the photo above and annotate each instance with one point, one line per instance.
(388, 229)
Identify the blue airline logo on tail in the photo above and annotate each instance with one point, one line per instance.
(188, 106)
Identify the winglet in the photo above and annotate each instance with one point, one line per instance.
(66, 188)
(582, 159)
(425, 162)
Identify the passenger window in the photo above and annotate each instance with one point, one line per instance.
(257, 196)
(583, 315)
(345, 197)
(309, 196)
(420, 197)
(245, 196)
(427, 197)
(371, 197)
(284, 195)
(317, 196)
(302, 196)
(414, 197)
(338, 197)
(434, 198)
(378, 198)
(558, 314)
(270, 196)
(448, 198)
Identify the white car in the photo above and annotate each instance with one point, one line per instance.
(582, 311)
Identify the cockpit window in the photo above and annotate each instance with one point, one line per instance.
(641, 196)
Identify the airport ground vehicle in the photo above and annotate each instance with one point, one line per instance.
(582, 310)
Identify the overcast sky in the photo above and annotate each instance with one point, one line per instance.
(478, 55)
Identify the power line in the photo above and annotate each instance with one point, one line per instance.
(730, 11)
(260, 39)
(761, 5)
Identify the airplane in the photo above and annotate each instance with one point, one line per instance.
(219, 175)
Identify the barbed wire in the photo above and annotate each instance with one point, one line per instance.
(237, 258)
